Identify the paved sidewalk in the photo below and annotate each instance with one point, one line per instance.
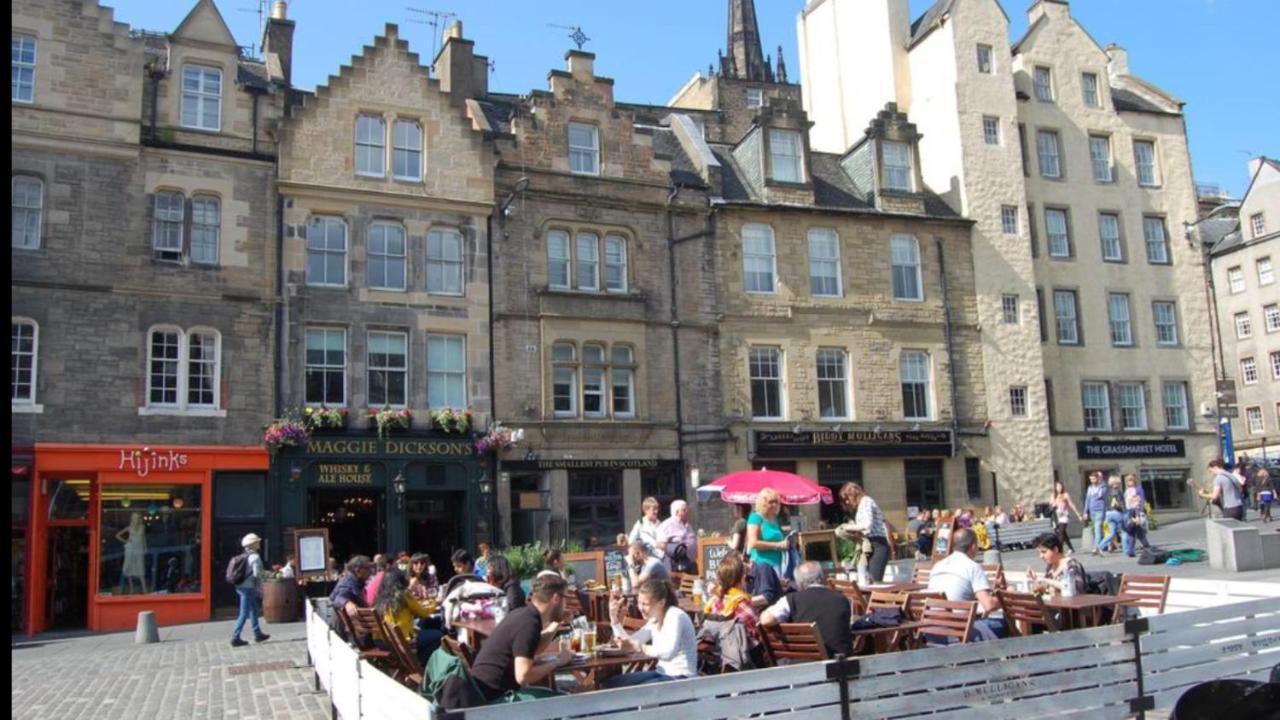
(192, 673)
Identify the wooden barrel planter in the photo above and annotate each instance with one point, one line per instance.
(280, 601)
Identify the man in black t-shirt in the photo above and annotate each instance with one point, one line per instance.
(507, 660)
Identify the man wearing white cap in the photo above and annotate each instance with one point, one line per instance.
(249, 588)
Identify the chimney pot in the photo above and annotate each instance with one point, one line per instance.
(279, 10)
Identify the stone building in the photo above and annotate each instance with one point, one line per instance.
(142, 300)
(1247, 302)
(603, 312)
(386, 192)
(1077, 175)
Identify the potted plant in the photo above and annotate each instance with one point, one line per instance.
(285, 432)
(452, 420)
(388, 420)
(325, 418)
(498, 438)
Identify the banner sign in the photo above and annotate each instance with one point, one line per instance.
(852, 443)
(1109, 449)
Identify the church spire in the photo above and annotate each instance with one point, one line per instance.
(745, 60)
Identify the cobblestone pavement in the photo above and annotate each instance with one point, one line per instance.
(192, 673)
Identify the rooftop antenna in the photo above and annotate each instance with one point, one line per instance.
(577, 35)
(438, 18)
(261, 10)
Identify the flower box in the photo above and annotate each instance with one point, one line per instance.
(325, 418)
(389, 420)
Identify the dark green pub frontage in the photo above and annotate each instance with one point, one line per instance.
(420, 492)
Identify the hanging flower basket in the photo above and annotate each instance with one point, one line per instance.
(285, 432)
(390, 420)
(452, 420)
(325, 418)
(498, 438)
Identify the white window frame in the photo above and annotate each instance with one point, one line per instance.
(991, 129)
(1042, 83)
(379, 233)
(1102, 411)
(1171, 324)
(1155, 237)
(1258, 224)
(23, 67)
(825, 267)
(182, 404)
(1271, 317)
(615, 264)
(564, 240)
(163, 223)
(910, 362)
(905, 257)
(327, 221)
(1248, 371)
(200, 94)
(1153, 167)
(207, 228)
(28, 403)
(1172, 423)
(1274, 358)
(1244, 325)
(823, 363)
(387, 369)
(1101, 160)
(766, 251)
(1049, 154)
(370, 145)
(1123, 389)
(1009, 219)
(586, 266)
(25, 210)
(625, 369)
(1018, 401)
(1266, 272)
(450, 374)
(756, 357)
(1235, 279)
(569, 366)
(325, 367)
(1010, 309)
(408, 148)
(595, 380)
(1119, 319)
(986, 53)
(1112, 243)
(584, 159)
(898, 177)
(439, 241)
(1090, 90)
(755, 98)
(786, 156)
(1059, 243)
(1250, 415)
(1060, 315)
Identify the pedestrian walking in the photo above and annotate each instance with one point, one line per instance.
(246, 573)
(1063, 507)
(1095, 505)
(1266, 493)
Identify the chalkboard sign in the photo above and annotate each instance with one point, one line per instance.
(819, 546)
(615, 561)
(711, 550)
(586, 566)
(942, 540)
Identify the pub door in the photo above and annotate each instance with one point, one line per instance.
(356, 520)
(436, 527)
(68, 578)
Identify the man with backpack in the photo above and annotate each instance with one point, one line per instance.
(1226, 491)
(245, 573)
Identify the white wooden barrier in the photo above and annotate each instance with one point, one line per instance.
(1193, 594)
(1240, 640)
(318, 648)
(382, 698)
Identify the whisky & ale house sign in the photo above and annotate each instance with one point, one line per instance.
(852, 443)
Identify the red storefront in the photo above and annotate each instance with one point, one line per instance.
(117, 529)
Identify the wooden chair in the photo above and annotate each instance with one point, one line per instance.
(683, 582)
(1024, 612)
(913, 608)
(850, 589)
(573, 603)
(404, 660)
(460, 650)
(790, 643)
(995, 574)
(882, 600)
(947, 619)
(921, 572)
(360, 634)
(1152, 591)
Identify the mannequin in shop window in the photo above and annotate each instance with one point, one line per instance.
(134, 538)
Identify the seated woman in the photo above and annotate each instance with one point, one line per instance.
(399, 608)
(501, 577)
(668, 635)
(732, 602)
(1063, 575)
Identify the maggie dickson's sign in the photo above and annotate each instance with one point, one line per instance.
(1107, 449)
(853, 443)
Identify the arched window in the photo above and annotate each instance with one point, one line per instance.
(184, 368)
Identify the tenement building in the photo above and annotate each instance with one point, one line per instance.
(386, 196)
(142, 256)
(1077, 175)
(1247, 300)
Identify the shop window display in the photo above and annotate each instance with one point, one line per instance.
(150, 537)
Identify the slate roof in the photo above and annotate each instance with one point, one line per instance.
(1228, 242)
(252, 74)
(930, 20)
(1127, 100)
(1215, 230)
(683, 172)
(497, 113)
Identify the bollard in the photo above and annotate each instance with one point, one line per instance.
(147, 631)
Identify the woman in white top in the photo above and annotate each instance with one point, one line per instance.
(668, 635)
(646, 528)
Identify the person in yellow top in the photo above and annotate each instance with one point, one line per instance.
(400, 609)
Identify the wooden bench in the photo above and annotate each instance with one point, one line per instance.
(1019, 535)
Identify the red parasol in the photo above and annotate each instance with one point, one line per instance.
(744, 486)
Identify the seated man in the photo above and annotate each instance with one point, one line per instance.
(507, 662)
(816, 603)
(642, 566)
(348, 594)
(763, 583)
(962, 579)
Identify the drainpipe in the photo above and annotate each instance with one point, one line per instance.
(675, 326)
(495, 534)
(951, 364)
(282, 334)
(155, 74)
(256, 94)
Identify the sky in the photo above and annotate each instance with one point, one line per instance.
(1221, 57)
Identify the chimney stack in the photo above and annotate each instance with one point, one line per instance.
(277, 43)
(1119, 64)
(462, 73)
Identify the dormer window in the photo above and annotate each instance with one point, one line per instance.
(201, 97)
(786, 152)
(897, 165)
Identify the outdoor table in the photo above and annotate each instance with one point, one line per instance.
(880, 635)
(592, 669)
(1084, 608)
(478, 629)
(894, 587)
